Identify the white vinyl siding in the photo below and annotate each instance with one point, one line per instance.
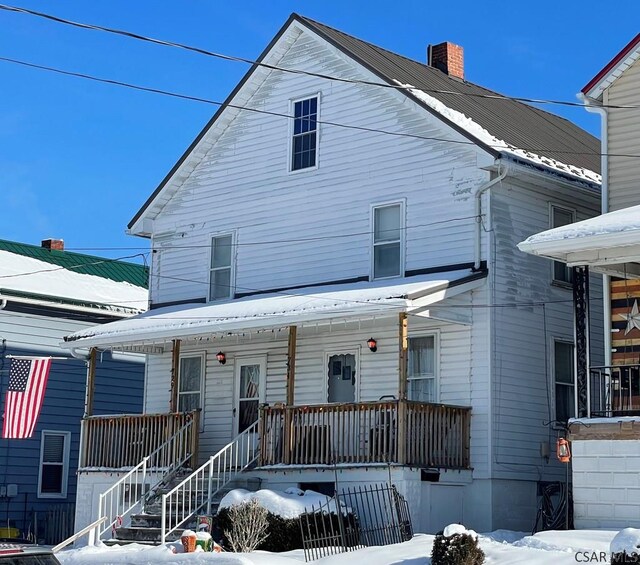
(388, 241)
(623, 125)
(561, 217)
(54, 464)
(221, 273)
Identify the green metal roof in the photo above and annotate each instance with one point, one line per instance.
(115, 270)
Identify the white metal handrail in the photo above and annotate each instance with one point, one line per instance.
(90, 529)
(196, 491)
(126, 495)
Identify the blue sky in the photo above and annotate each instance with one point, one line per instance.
(77, 159)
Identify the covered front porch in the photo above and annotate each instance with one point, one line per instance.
(371, 374)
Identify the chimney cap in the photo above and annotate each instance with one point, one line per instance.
(51, 243)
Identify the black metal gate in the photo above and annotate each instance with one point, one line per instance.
(355, 518)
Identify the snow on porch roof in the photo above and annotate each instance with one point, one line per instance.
(572, 243)
(311, 305)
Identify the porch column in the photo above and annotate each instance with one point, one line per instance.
(581, 336)
(291, 364)
(291, 382)
(175, 368)
(403, 351)
(91, 382)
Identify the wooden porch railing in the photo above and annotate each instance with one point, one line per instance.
(404, 432)
(123, 441)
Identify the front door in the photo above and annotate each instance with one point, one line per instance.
(249, 392)
(341, 377)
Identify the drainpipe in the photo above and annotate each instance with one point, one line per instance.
(478, 211)
(604, 169)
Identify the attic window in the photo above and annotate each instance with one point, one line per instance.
(305, 132)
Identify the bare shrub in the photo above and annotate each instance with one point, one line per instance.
(248, 526)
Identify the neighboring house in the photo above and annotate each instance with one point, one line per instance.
(45, 293)
(343, 210)
(606, 435)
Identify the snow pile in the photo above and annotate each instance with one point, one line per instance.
(627, 540)
(25, 274)
(288, 504)
(482, 135)
(620, 221)
(453, 529)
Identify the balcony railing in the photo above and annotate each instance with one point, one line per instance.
(403, 432)
(123, 441)
(615, 390)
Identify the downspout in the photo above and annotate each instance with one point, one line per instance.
(478, 212)
(604, 205)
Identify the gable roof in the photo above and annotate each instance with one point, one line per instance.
(118, 271)
(613, 69)
(494, 122)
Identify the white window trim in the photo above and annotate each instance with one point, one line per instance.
(65, 463)
(262, 388)
(354, 350)
(292, 103)
(552, 361)
(436, 353)
(203, 374)
(403, 237)
(572, 211)
(232, 277)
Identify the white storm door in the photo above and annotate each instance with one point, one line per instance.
(250, 375)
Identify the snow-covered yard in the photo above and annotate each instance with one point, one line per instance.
(501, 547)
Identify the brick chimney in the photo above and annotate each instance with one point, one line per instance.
(448, 57)
(56, 244)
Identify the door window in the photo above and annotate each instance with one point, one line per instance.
(249, 396)
(342, 378)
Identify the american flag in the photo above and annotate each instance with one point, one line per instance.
(27, 382)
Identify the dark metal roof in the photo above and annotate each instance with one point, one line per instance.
(516, 123)
(118, 271)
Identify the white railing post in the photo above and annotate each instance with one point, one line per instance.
(209, 493)
(163, 522)
(144, 477)
(101, 513)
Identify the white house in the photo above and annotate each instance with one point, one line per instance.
(606, 435)
(338, 255)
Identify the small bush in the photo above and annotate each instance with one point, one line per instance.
(248, 526)
(457, 549)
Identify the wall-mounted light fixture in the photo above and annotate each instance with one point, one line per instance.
(221, 357)
(372, 344)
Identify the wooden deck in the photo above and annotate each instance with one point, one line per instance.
(123, 441)
(403, 432)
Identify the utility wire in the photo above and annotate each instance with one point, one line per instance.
(497, 147)
(233, 58)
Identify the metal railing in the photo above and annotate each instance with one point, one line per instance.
(128, 494)
(122, 441)
(197, 490)
(390, 431)
(615, 390)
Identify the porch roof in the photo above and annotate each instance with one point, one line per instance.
(609, 242)
(299, 306)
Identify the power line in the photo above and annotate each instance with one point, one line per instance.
(237, 59)
(497, 147)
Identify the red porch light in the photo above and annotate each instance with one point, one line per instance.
(221, 357)
(372, 344)
(562, 450)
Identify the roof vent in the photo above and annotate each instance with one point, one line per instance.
(447, 57)
(56, 244)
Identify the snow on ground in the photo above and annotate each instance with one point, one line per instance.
(501, 547)
(288, 504)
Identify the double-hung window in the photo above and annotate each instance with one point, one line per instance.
(564, 380)
(388, 240)
(305, 134)
(421, 369)
(54, 464)
(221, 268)
(561, 217)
